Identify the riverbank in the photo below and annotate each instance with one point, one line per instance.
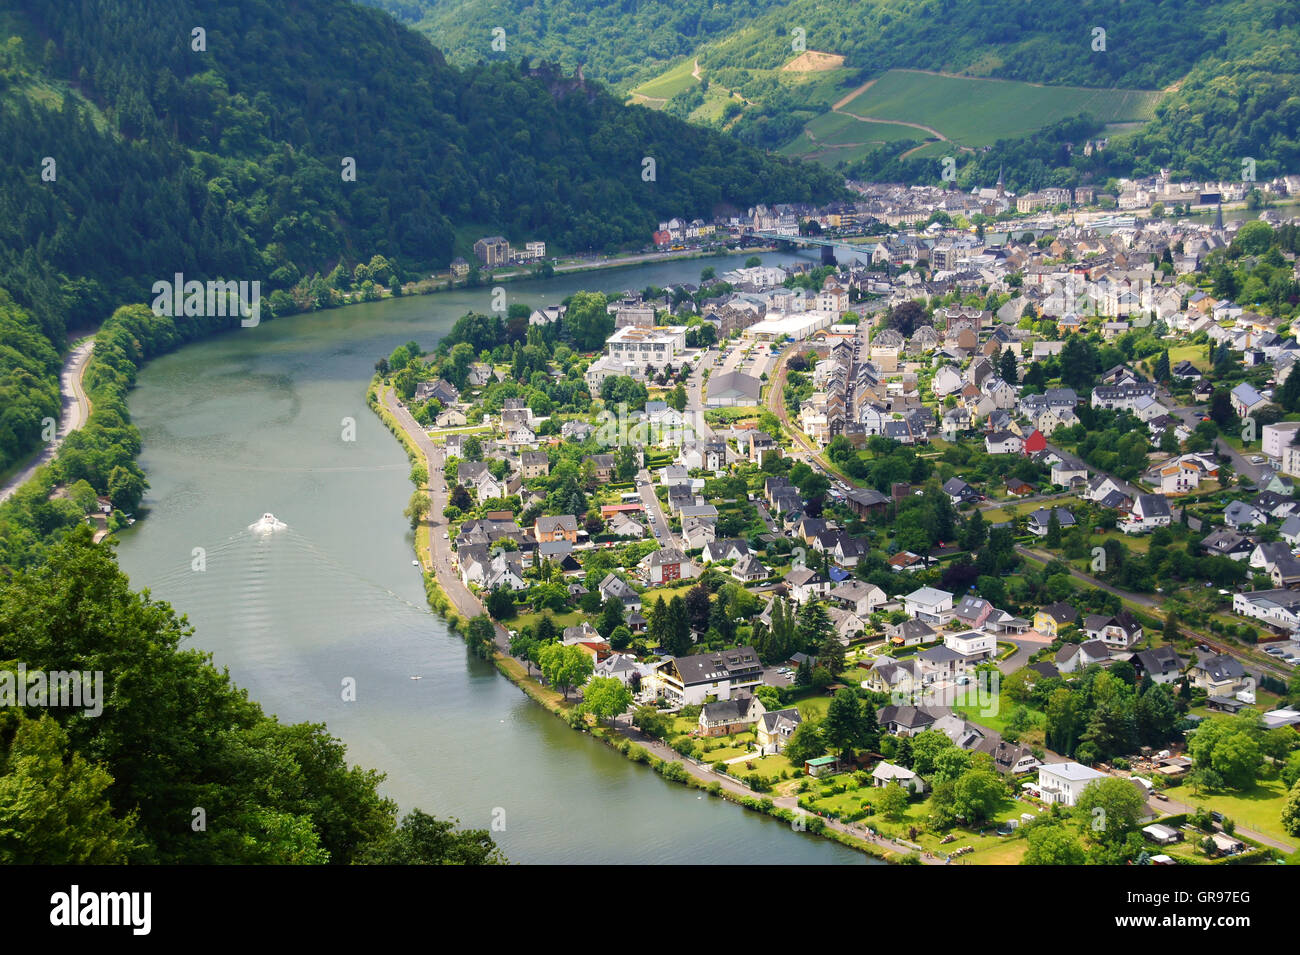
(455, 603)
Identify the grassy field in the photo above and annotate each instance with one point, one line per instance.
(1259, 809)
(978, 112)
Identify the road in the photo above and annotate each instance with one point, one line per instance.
(1191, 415)
(439, 557)
(76, 411)
(654, 510)
(695, 394)
(1258, 661)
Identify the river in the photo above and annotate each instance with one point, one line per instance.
(274, 418)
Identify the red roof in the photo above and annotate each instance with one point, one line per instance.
(1035, 442)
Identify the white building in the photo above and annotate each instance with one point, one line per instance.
(1064, 783)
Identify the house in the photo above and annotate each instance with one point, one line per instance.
(749, 569)
(1121, 630)
(887, 774)
(1162, 665)
(1279, 609)
(604, 465)
(907, 561)
(1049, 620)
(1003, 442)
(930, 605)
(721, 674)
(857, 595)
(774, 730)
(560, 527)
(1239, 514)
(725, 717)
(664, 565)
(900, 679)
(910, 633)
(1040, 520)
(1148, 512)
(959, 492)
(1068, 471)
(1064, 783)
(617, 588)
(805, 584)
(1019, 488)
(973, 644)
(822, 766)
(1103, 488)
(904, 720)
(972, 611)
(1228, 543)
(1077, 656)
(1220, 675)
(1246, 400)
(534, 464)
(622, 667)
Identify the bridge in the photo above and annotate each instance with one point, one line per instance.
(827, 244)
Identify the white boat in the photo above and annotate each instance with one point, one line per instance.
(268, 523)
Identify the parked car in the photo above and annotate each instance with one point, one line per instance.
(1162, 797)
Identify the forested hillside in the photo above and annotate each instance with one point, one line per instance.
(614, 40)
(1227, 68)
(228, 161)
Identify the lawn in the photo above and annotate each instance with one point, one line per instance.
(997, 720)
(1259, 808)
(561, 620)
(978, 112)
(990, 848)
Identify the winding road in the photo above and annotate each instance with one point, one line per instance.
(76, 411)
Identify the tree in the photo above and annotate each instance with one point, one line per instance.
(977, 795)
(1161, 371)
(605, 697)
(677, 398)
(424, 840)
(1007, 367)
(974, 532)
(54, 804)
(417, 509)
(565, 667)
(1111, 809)
(611, 617)
(1053, 845)
(891, 801)
(1291, 811)
(805, 743)
(480, 636)
(126, 486)
(698, 606)
(500, 603)
(677, 636)
(843, 729)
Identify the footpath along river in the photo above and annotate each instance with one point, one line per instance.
(253, 421)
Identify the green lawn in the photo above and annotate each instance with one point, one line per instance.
(1259, 808)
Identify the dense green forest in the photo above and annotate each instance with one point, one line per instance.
(613, 40)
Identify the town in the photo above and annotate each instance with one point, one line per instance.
(945, 549)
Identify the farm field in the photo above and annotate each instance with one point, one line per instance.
(978, 112)
(669, 83)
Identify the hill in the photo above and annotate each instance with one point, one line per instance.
(226, 160)
(1190, 84)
